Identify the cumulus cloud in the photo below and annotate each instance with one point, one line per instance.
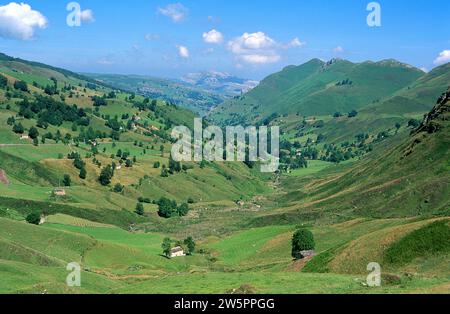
(443, 57)
(338, 49)
(175, 11)
(19, 21)
(183, 51)
(296, 42)
(213, 37)
(254, 48)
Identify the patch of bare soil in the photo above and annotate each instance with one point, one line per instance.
(297, 266)
(3, 177)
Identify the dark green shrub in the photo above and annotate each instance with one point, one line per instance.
(303, 240)
(34, 218)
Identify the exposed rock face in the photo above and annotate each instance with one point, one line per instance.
(431, 123)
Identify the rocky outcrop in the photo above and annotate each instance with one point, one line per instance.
(441, 112)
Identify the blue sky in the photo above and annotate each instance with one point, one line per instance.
(251, 39)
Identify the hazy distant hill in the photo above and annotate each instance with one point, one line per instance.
(220, 83)
(176, 92)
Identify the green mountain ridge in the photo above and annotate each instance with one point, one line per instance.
(319, 88)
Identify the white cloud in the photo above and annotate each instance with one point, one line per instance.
(19, 21)
(87, 16)
(176, 11)
(296, 42)
(424, 69)
(251, 41)
(338, 49)
(254, 48)
(183, 51)
(443, 57)
(213, 37)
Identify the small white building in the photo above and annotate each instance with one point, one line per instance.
(177, 252)
(24, 137)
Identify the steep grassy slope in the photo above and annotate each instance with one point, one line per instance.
(409, 179)
(318, 88)
(142, 131)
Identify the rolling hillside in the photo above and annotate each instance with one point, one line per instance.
(405, 177)
(319, 88)
(381, 199)
(92, 126)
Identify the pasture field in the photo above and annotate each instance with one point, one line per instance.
(256, 260)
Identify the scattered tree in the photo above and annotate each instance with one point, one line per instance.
(21, 85)
(83, 173)
(167, 247)
(139, 209)
(18, 128)
(34, 218)
(67, 181)
(303, 240)
(183, 210)
(106, 175)
(3, 81)
(190, 245)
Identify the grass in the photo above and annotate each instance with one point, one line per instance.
(314, 166)
(431, 240)
(244, 247)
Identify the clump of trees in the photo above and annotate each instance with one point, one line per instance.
(3, 81)
(303, 240)
(168, 208)
(106, 175)
(50, 111)
(21, 85)
(34, 218)
(352, 114)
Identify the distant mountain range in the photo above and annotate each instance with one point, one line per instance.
(199, 92)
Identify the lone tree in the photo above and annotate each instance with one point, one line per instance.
(34, 218)
(190, 244)
(139, 209)
(83, 173)
(167, 247)
(18, 128)
(66, 180)
(106, 175)
(33, 133)
(21, 85)
(183, 210)
(303, 240)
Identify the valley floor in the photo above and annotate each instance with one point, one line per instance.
(257, 260)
